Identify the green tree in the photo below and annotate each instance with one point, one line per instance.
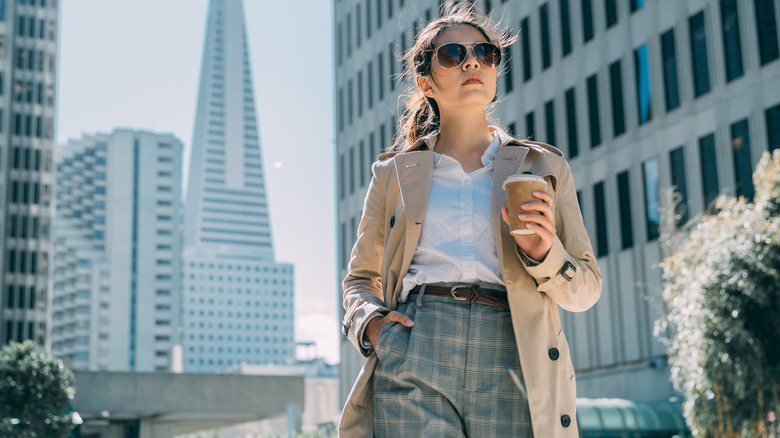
(34, 392)
(722, 289)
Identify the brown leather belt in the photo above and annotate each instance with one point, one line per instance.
(463, 292)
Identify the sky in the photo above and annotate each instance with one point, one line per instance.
(136, 64)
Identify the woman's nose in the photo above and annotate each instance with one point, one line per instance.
(471, 59)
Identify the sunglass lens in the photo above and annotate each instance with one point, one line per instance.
(451, 55)
(488, 54)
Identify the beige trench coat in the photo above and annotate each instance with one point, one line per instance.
(568, 277)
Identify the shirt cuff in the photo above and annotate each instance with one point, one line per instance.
(364, 341)
(528, 261)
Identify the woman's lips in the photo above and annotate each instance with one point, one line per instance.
(472, 80)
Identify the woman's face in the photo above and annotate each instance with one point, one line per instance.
(470, 84)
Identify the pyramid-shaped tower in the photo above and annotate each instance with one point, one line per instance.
(237, 302)
(227, 209)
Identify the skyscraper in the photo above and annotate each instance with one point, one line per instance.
(28, 79)
(640, 96)
(117, 240)
(237, 300)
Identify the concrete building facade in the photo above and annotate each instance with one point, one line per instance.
(640, 96)
(29, 33)
(117, 242)
(237, 301)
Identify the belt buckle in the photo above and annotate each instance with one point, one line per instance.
(454, 288)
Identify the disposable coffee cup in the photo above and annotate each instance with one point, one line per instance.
(519, 190)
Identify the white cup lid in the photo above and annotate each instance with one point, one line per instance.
(524, 177)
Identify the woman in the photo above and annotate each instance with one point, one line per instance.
(458, 318)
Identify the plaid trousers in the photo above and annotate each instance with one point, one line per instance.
(448, 376)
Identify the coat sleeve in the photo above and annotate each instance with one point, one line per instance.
(363, 296)
(569, 275)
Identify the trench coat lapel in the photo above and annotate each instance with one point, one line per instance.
(415, 170)
(508, 161)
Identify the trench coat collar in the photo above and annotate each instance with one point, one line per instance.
(541, 167)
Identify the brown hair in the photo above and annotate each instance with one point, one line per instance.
(420, 116)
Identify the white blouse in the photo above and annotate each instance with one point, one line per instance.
(456, 241)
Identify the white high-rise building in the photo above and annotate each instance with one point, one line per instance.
(29, 34)
(117, 241)
(237, 300)
(639, 95)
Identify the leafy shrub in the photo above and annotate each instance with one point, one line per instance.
(34, 392)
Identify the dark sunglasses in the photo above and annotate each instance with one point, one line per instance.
(452, 55)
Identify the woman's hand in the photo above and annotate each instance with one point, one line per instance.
(376, 324)
(536, 246)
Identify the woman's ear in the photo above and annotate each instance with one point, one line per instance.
(424, 84)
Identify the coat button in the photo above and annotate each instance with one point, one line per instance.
(392, 221)
(554, 353)
(565, 420)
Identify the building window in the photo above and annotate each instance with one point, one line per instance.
(340, 110)
(587, 20)
(342, 172)
(391, 63)
(669, 56)
(731, 42)
(349, 35)
(508, 78)
(643, 84)
(362, 157)
(773, 127)
(11, 297)
(611, 9)
(353, 231)
(382, 139)
(766, 26)
(743, 166)
(565, 27)
(624, 201)
(378, 13)
(351, 170)
(709, 169)
(339, 44)
(650, 179)
(11, 267)
(360, 94)
(368, 18)
(677, 162)
(593, 111)
(370, 79)
(350, 102)
(530, 125)
(636, 5)
(380, 69)
(549, 118)
(526, 42)
(698, 39)
(545, 35)
(616, 94)
(602, 240)
(343, 252)
(571, 123)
